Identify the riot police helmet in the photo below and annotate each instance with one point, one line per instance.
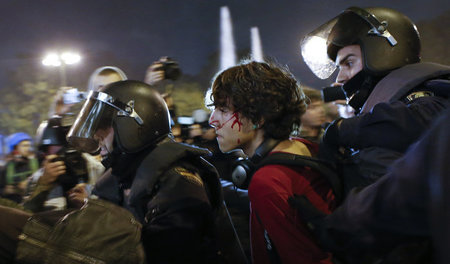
(388, 40)
(136, 112)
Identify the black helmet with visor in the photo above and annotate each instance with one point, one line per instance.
(136, 112)
(388, 40)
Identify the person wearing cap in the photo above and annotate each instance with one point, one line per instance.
(21, 163)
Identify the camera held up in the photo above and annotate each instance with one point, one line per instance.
(170, 67)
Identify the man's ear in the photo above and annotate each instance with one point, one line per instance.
(258, 124)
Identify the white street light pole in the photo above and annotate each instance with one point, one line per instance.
(61, 60)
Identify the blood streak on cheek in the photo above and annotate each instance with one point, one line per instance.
(235, 116)
(239, 141)
(236, 121)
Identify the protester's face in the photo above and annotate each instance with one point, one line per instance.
(314, 115)
(24, 148)
(103, 80)
(349, 61)
(105, 137)
(232, 130)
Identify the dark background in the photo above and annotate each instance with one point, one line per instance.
(132, 34)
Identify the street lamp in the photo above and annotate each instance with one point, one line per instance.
(61, 60)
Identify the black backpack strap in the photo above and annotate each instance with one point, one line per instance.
(270, 246)
(323, 167)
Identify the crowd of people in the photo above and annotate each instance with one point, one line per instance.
(271, 174)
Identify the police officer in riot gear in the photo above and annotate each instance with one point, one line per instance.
(167, 186)
(387, 41)
(396, 98)
(377, 52)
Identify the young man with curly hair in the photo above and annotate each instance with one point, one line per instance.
(256, 105)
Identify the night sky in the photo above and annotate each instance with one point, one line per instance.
(136, 33)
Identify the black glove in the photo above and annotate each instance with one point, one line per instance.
(331, 135)
(329, 144)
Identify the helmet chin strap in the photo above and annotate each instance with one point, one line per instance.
(358, 89)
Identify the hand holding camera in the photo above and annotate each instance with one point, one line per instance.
(165, 68)
(73, 96)
(53, 168)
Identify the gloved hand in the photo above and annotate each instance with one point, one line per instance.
(329, 144)
(331, 135)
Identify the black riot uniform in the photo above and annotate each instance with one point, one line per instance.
(168, 186)
(396, 98)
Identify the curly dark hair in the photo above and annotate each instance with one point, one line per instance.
(261, 91)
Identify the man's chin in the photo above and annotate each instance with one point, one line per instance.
(225, 149)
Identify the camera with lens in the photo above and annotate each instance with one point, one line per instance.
(76, 168)
(170, 67)
(73, 96)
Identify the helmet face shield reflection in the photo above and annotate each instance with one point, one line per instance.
(353, 26)
(314, 50)
(94, 116)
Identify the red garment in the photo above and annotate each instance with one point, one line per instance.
(269, 190)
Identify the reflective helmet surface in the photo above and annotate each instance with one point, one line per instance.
(150, 106)
(388, 39)
(137, 113)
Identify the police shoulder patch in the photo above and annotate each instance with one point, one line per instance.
(189, 176)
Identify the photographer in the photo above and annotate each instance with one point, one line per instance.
(164, 69)
(62, 169)
(157, 75)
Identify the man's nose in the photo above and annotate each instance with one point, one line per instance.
(212, 121)
(342, 77)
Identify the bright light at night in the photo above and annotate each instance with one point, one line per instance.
(70, 57)
(51, 59)
(54, 59)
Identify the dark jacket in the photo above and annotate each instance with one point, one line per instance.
(177, 197)
(393, 119)
(408, 204)
(399, 110)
